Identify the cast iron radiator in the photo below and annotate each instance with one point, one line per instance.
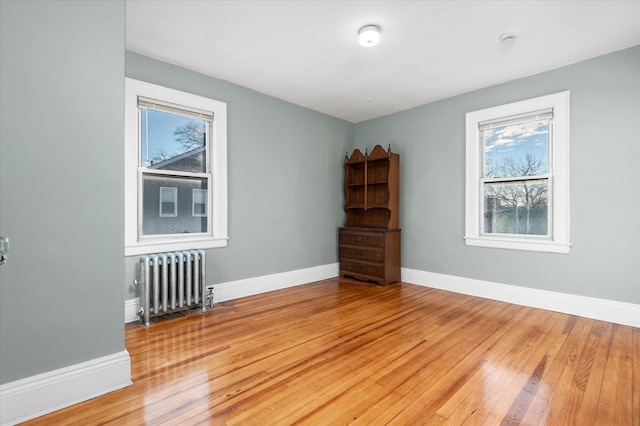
(173, 282)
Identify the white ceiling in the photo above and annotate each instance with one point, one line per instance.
(307, 52)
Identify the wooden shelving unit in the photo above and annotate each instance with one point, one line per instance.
(369, 242)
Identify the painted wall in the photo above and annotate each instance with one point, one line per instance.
(284, 177)
(604, 182)
(61, 183)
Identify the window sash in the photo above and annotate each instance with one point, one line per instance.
(208, 138)
(142, 171)
(549, 216)
(484, 180)
(522, 118)
(174, 173)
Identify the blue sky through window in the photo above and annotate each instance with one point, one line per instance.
(158, 140)
(519, 146)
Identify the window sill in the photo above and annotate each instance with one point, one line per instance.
(148, 247)
(512, 244)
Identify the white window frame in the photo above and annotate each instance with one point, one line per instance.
(217, 151)
(174, 199)
(193, 202)
(558, 240)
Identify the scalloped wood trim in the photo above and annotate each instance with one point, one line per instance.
(356, 157)
(378, 152)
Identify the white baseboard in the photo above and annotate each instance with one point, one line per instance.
(250, 286)
(131, 308)
(35, 396)
(588, 307)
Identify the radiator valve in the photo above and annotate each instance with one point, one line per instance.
(209, 297)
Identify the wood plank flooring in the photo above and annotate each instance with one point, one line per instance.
(343, 352)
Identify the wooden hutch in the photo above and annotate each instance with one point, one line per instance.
(369, 242)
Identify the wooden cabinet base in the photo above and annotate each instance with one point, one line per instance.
(370, 254)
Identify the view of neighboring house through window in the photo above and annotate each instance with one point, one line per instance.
(199, 202)
(173, 157)
(175, 170)
(168, 202)
(517, 180)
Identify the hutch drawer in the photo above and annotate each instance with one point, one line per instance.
(369, 269)
(370, 254)
(364, 238)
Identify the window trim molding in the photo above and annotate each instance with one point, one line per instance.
(559, 183)
(218, 163)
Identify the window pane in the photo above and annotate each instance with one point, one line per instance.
(520, 149)
(183, 222)
(516, 207)
(172, 141)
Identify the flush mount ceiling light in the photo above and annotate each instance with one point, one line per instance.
(509, 36)
(369, 35)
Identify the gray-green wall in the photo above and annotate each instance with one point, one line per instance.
(284, 178)
(61, 183)
(604, 182)
(62, 67)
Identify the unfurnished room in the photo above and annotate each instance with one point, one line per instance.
(320, 212)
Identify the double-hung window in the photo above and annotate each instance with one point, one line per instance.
(517, 184)
(175, 170)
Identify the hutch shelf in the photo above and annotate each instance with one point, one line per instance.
(369, 242)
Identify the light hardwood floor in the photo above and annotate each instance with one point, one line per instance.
(341, 352)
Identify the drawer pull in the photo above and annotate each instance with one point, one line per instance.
(358, 238)
(358, 252)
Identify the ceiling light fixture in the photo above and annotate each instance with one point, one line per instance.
(369, 35)
(509, 36)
